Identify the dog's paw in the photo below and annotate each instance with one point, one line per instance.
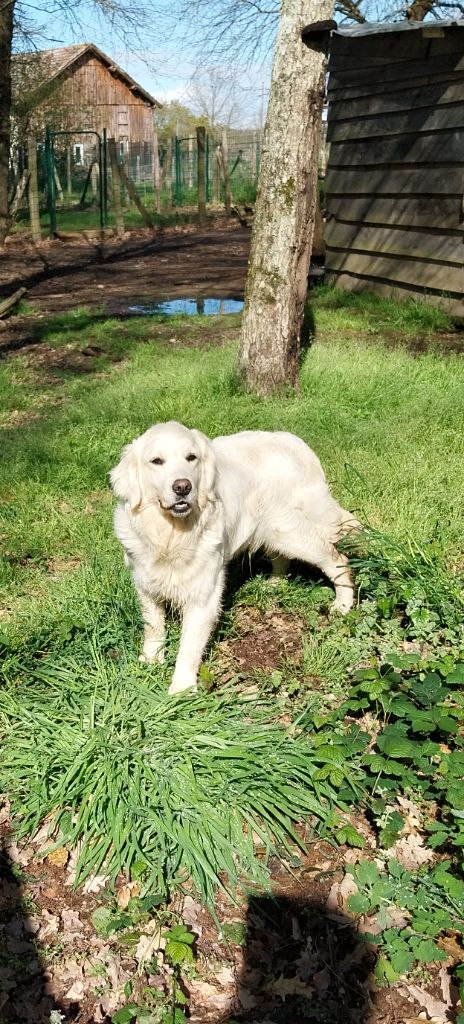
(155, 656)
(181, 685)
(341, 606)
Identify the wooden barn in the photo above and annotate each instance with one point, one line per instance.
(395, 176)
(80, 87)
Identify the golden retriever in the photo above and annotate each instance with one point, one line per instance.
(188, 505)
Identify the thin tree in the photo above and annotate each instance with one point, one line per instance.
(286, 201)
(6, 37)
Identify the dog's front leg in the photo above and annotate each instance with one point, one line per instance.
(153, 628)
(199, 620)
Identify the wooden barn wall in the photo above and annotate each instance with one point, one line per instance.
(395, 177)
(101, 100)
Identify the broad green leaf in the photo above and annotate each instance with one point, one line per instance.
(179, 953)
(427, 951)
(126, 1014)
(102, 919)
(358, 903)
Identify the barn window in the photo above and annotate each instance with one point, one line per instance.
(79, 153)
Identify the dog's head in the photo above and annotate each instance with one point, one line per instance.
(169, 466)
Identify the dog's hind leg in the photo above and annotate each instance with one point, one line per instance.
(318, 551)
(280, 565)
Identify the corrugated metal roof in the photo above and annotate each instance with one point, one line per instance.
(379, 27)
(61, 59)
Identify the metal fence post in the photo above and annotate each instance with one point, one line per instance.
(207, 168)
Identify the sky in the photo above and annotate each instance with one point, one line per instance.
(164, 65)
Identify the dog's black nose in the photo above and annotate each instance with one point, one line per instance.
(182, 488)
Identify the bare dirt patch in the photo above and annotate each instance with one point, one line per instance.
(111, 275)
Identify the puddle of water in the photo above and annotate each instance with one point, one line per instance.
(189, 307)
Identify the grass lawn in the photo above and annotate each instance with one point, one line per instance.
(352, 714)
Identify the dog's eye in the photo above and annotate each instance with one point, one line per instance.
(191, 457)
(158, 462)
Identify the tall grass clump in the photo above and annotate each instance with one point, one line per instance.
(178, 789)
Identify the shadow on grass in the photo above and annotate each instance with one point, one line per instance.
(301, 965)
(23, 982)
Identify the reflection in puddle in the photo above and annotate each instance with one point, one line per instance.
(188, 307)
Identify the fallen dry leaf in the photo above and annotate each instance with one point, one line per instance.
(435, 1008)
(452, 947)
(126, 893)
(76, 992)
(94, 884)
(340, 893)
(148, 945)
(59, 857)
(225, 976)
(49, 925)
(410, 852)
(191, 911)
(284, 987)
(71, 921)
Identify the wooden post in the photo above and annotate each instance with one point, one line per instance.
(225, 171)
(156, 171)
(68, 171)
(33, 191)
(168, 173)
(116, 187)
(135, 198)
(94, 178)
(190, 162)
(19, 192)
(201, 145)
(58, 185)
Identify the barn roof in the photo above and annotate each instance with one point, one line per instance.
(62, 59)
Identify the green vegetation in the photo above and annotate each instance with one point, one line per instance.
(373, 713)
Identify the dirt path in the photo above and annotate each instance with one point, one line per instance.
(141, 267)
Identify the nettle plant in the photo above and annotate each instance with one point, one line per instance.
(420, 747)
(433, 902)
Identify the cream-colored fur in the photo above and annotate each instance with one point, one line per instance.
(246, 491)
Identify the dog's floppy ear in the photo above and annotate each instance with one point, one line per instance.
(206, 490)
(125, 477)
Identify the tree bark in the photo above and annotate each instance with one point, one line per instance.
(286, 201)
(6, 35)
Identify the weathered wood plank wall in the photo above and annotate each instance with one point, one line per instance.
(102, 100)
(395, 178)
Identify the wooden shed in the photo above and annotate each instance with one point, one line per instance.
(395, 176)
(80, 87)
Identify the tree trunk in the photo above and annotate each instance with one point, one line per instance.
(285, 206)
(6, 35)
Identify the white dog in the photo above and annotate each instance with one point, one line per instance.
(188, 505)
